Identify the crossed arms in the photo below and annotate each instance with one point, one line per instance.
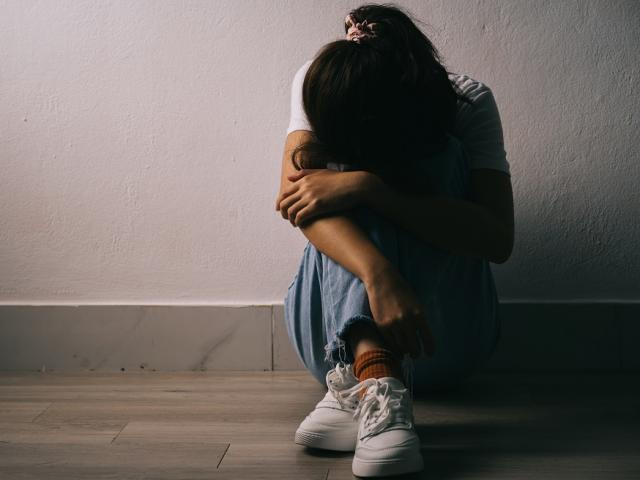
(312, 200)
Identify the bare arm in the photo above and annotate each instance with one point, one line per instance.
(395, 308)
(337, 236)
(481, 227)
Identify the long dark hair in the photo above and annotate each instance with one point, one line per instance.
(379, 104)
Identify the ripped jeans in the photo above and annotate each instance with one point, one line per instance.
(457, 292)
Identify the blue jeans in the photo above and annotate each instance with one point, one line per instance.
(457, 292)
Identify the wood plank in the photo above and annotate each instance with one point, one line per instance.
(114, 414)
(206, 432)
(270, 454)
(147, 460)
(253, 472)
(21, 411)
(29, 432)
(253, 456)
(494, 426)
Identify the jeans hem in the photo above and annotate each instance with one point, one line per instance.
(338, 348)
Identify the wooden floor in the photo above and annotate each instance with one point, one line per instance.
(240, 425)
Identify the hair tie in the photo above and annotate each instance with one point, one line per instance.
(357, 30)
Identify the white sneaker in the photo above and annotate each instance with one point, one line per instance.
(332, 424)
(387, 443)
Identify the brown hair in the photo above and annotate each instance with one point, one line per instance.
(379, 104)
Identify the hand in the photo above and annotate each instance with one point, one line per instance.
(316, 191)
(398, 313)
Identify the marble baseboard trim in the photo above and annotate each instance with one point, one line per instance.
(561, 336)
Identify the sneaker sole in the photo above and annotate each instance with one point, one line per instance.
(315, 440)
(376, 468)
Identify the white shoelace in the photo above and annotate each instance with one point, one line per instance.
(340, 376)
(338, 379)
(380, 407)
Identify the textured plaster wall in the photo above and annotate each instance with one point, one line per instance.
(140, 143)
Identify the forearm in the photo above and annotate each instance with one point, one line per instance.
(342, 240)
(455, 225)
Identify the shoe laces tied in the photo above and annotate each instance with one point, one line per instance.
(381, 405)
(351, 396)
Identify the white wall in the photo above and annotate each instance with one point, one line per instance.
(141, 143)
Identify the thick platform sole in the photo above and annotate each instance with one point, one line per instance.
(342, 443)
(380, 468)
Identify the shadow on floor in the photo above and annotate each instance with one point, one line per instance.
(531, 426)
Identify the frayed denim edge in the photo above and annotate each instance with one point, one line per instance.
(339, 350)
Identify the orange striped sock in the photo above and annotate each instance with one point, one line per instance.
(377, 363)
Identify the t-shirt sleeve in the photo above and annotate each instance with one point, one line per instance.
(298, 119)
(479, 128)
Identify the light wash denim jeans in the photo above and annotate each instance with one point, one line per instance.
(457, 292)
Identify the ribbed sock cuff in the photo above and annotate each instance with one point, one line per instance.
(377, 363)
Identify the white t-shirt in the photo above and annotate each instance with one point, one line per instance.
(477, 125)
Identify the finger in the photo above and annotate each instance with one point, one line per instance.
(290, 190)
(279, 200)
(293, 211)
(298, 174)
(287, 204)
(301, 173)
(305, 214)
